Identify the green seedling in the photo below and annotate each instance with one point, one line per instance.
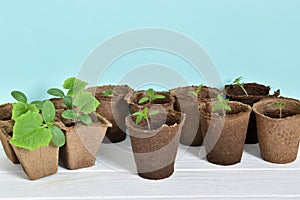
(150, 96)
(144, 115)
(221, 104)
(196, 92)
(238, 82)
(108, 92)
(22, 106)
(33, 130)
(280, 105)
(79, 103)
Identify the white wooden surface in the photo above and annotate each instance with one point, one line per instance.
(113, 177)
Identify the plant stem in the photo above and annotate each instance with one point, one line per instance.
(244, 91)
(148, 123)
(280, 111)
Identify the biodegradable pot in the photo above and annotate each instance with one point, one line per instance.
(224, 135)
(255, 93)
(114, 108)
(163, 105)
(155, 149)
(82, 142)
(6, 128)
(187, 103)
(58, 103)
(278, 137)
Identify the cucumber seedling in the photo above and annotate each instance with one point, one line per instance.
(221, 104)
(33, 130)
(79, 103)
(150, 96)
(108, 93)
(238, 82)
(196, 92)
(280, 105)
(144, 115)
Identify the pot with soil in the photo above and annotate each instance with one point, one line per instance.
(114, 108)
(138, 100)
(224, 132)
(187, 101)
(155, 142)
(254, 92)
(278, 127)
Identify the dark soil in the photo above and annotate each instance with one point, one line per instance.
(6, 112)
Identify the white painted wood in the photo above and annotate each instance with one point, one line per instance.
(113, 177)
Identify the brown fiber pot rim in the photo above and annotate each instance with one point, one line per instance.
(120, 91)
(206, 93)
(258, 108)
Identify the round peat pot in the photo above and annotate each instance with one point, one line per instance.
(155, 149)
(188, 103)
(255, 93)
(114, 108)
(224, 133)
(278, 137)
(162, 105)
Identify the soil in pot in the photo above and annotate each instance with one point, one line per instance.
(58, 103)
(114, 108)
(224, 135)
(6, 128)
(163, 105)
(255, 93)
(188, 103)
(155, 149)
(278, 137)
(82, 142)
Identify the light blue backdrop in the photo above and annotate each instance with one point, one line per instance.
(44, 42)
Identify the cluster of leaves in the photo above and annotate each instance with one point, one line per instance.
(31, 129)
(238, 82)
(280, 105)
(79, 103)
(151, 96)
(221, 104)
(144, 115)
(108, 92)
(196, 93)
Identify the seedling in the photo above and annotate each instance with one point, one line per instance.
(196, 92)
(33, 130)
(79, 103)
(280, 105)
(144, 115)
(150, 96)
(237, 82)
(108, 92)
(221, 104)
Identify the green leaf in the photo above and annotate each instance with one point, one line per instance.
(19, 96)
(108, 92)
(220, 98)
(74, 86)
(138, 119)
(150, 92)
(28, 132)
(86, 102)
(56, 92)
(21, 108)
(48, 112)
(154, 112)
(85, 119)
(143, 100)
(38, 104)
(137, 113)
(227, 107)
(58, 137)
(159, 96)
(69, 114)
(68, 101)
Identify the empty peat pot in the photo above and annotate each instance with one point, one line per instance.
(278, 137)
(188, 103)
(255, 93)
(155, 149)
(114, 108)
(6, 129)
(82, 141)
(163, 105)
(224, 133)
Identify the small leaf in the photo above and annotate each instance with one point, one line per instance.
(58, 137)
(69, 114)
(143, 100)
(138, 119)
(150, 92)
(19, 96)
(85, 119)
(154, 112)
(137, 113)
(68, 101)
(74, 86)
(56, 92)
(108, 92)
(227, 107)
(220, 98)
(21, 108)
(158, 96)
(86, 102)
(48, 112)
(38, 104)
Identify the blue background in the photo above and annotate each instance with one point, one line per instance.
(44, 42)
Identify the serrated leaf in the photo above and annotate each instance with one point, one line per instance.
(56, 92)
(21, 108)
(69, 114)
(85, 119)
(19, 96)
(86, 102)
(48, 112)
(138, 119)
(74, 86)
(58, 137)
(143, 100)
(28, 132)
(38, 104)
(68, 102)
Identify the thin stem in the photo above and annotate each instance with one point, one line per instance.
(280, 111)
(244, 90)
(148, 124)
